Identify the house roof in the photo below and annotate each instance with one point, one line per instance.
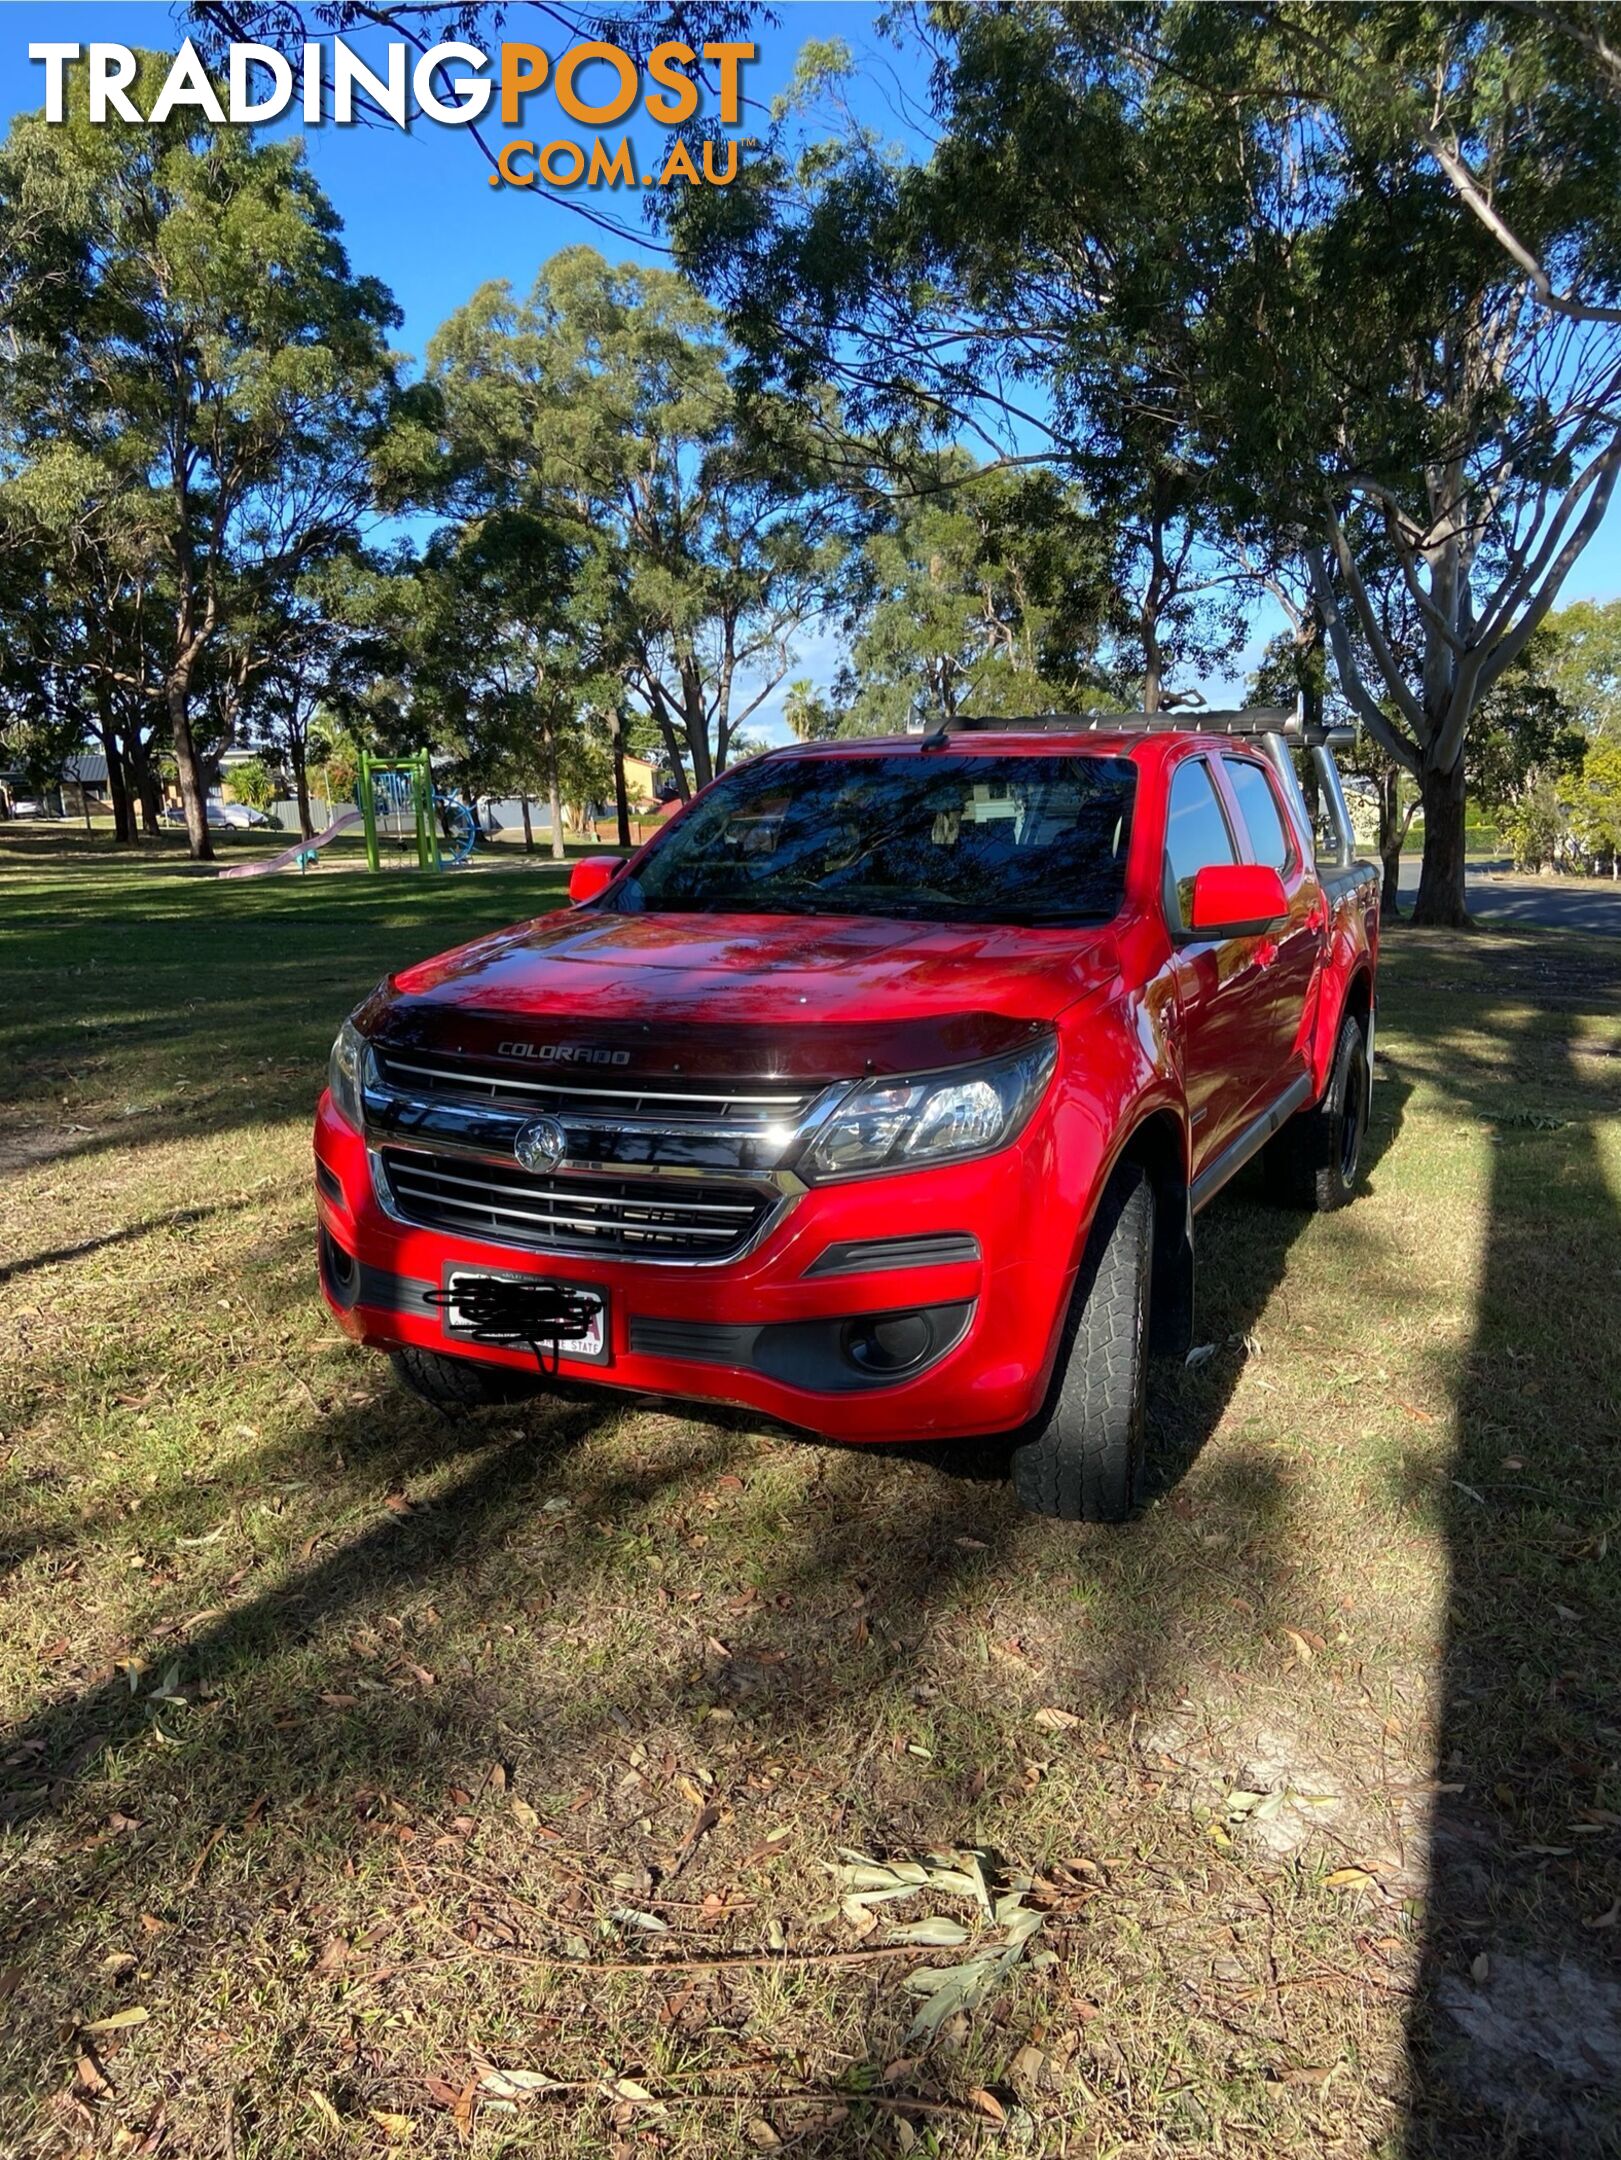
(87, 767)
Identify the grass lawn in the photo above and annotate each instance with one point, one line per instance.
(371, 1784)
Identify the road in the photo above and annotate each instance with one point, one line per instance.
(1496, 894)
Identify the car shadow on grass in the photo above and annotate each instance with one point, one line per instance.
(222, 1786)
(1515, 2027)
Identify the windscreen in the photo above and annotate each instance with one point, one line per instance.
(938, 838)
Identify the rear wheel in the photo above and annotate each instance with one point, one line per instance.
(1315, 1161)
(454, 1384)
(1084, 1461)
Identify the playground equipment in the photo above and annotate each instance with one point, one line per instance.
(398, 798)
(391, 791)
(300, 854)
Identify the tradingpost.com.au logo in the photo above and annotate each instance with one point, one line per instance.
(452, 84)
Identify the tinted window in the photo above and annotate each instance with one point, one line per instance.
(940, 837)
(1258, 807)
(1195, 832)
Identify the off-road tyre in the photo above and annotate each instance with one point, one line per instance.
(1315, 1161)
(1084, 1460)
(457, 1384)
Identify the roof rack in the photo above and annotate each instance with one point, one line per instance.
(1179, 720)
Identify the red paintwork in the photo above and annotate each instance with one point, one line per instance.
(590, 876)
(1201, 1034)
(1230, 898)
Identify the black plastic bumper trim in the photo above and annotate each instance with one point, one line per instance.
(878, 1256)
(798, 1353)
(350, 1282)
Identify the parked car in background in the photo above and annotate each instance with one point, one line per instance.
(878, 1092)
(224, 817)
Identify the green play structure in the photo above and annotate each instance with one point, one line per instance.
(392, 790)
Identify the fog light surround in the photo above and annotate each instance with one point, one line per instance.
(887, 1345)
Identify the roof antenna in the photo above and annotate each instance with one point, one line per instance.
(937, 738)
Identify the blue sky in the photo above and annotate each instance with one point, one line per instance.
(419, 212)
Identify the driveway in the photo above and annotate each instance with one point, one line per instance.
(1497, 894)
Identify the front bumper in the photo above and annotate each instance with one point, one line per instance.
(987, 1249)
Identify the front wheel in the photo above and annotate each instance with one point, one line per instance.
(456, 1384)
(1084, 1460)
(1314, 1163)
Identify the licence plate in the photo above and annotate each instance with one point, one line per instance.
(582, 1333)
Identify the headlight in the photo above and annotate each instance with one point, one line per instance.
(344, 1073)
(942, 1117)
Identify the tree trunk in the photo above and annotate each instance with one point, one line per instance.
(528, 826)
(1441, 902)
(301, 789)
(695, 726)
(193, 787)
(616, 736)
(554, 802)
(142, 779)
(117, 781)
(1392, 833)
(1153, 663)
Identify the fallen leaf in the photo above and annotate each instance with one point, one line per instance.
(91, 2076)
(650, 1923)
(393, 2127)
(324, 2108)
(1302, 1649)
(120, 2021)
(767, 1851)
(1348, 1878)
(761, 2136)
(515, 2084)
(988, 2104)
(938, 1931)
(524, 1814)
(1053, 1719)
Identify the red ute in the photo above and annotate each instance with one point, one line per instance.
(878, 1093)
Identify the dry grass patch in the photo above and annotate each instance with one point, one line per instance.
(379, 1785)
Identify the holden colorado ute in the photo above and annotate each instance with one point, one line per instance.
(877, 1094)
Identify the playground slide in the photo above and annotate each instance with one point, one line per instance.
(288, 858)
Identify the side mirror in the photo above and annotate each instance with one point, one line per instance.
(1236, 900)
(594, 874)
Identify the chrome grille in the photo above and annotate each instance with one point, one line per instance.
(670, 1103)
(639, 1216)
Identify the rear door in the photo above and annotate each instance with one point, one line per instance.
(1222, 996)
(1288, 959)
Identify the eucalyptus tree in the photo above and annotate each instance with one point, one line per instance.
(710, 538)
(1208, 242)
(191, 356)
(977, 591)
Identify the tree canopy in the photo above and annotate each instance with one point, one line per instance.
(197, 384)
(1211, 260)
